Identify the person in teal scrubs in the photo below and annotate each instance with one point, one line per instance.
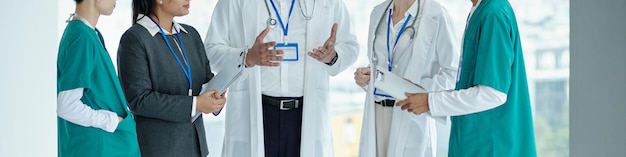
(490, 108)
(93, 117)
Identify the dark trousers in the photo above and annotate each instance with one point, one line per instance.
(282, 131)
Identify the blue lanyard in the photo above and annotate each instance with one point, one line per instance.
(187, 70)
(389, 58)
(280, 20)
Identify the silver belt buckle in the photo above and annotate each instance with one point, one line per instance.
(282, 104)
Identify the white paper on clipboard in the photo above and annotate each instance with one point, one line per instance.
(395, 86)
(220, 82)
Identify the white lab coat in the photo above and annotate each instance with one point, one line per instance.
(433, 65)
(234, 27)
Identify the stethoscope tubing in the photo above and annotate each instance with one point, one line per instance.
(374, 58)
(272, 22)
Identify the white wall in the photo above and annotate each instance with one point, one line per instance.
(28, 78)
(598, 78)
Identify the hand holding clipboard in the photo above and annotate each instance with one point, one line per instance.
(398, 88)
(218, 86)
(210, 101)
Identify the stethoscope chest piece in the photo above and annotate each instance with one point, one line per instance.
(272, 22)
(410, 31)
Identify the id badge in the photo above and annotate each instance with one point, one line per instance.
(290, 51)
(378, 92)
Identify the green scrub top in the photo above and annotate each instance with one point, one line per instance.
(492, 56)
(83, 62)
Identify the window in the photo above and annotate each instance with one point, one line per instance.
(552, 58)
(550, 99)
(546, 60)
(551, 117)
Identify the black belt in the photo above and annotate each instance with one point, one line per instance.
(386, 102)
(283, 103)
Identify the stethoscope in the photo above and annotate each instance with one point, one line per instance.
(411, 29)
(272, 22)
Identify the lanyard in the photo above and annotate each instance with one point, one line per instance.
(187, 70)
(283, 26)
(389, 58)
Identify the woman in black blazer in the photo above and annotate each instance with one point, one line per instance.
(162, 67)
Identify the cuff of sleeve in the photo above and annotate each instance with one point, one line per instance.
(431, 104)
(193, 106)
(333, 61)
(244, 55)
(365, 87)
(111, 126)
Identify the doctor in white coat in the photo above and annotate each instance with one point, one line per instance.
(430, 59)
(326, 46)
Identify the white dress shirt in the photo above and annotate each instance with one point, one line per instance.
(286, 80)
(465, 101)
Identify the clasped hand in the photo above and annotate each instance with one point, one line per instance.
(210, 101)
(362, 76)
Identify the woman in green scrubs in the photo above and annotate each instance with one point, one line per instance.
(490, 108)
(94, 120)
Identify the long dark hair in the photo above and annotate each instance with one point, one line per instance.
(146, 7)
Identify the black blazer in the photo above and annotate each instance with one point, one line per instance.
(157, 91)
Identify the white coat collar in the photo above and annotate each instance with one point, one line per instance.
(153, 28)
(411, 11)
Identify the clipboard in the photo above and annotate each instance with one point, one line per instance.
(224, 78)
(395, 86)
(220, 82)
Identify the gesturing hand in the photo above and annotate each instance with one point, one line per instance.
(362, 76)
(260, 54)
(326, 52)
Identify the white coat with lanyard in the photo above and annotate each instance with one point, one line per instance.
(234, 26)
(432, 64)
